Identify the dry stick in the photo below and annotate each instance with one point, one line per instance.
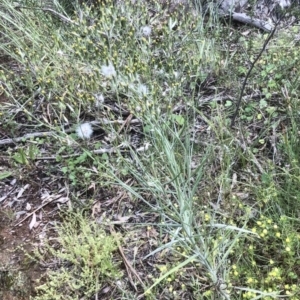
(63, 18)
(127, 263)
(52, 11)
(126, 123)
(37, 209)
(97, 151)
(249, 71)
(25, 137)
(52, 133)
(243, 18)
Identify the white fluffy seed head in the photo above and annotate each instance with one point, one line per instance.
(99, 100)
(142, 90)
(146, 31)
(84, 131)
(108, 71)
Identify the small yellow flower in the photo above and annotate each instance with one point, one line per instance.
(163, 268)
(207, 217)
(294, 287)
(250, 280)
(287, 249)
(277, 234)
(276, 271)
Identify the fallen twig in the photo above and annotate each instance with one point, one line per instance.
(52, 133)
(98, 151)
(128, 265)
(243, 18)
(26, 137)
(37, 209)
(249, 72)
(50, 10)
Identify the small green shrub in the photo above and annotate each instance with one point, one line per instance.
(85, 257)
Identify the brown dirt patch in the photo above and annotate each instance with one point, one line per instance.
(18, 272)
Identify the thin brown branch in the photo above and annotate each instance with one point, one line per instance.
(249, 72)
(51, 11)
(37, 209)
(128, 265)
(53, 133)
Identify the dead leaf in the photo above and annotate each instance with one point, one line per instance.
(92, 186)
(62, 200)
(121, 219)
(106, 290)
(245, 32)
(96, 208)
(234, 180)
(242, 196)
(33, 221)
(22, 190)
(151, 232)
(45, 195)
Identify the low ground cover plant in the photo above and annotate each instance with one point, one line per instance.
(83, 254)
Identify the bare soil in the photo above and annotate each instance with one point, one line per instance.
(19, 272)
